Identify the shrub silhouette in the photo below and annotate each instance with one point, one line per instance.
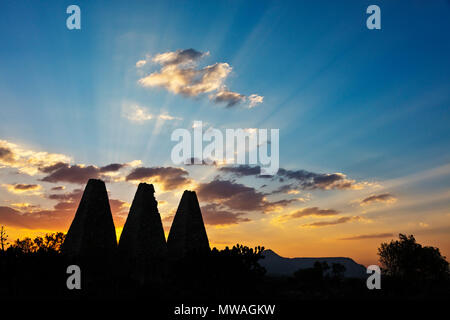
(50, 243)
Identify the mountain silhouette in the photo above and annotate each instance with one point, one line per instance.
(277, 265)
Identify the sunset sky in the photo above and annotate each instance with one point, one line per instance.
(364, 117)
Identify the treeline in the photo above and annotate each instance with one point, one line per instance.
(36, 269)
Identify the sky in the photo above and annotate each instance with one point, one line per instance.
(363, 117)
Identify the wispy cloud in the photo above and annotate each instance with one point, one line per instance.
(379, 198)
(369, 236)
(139, 114)
(312, 211)
(332, 222)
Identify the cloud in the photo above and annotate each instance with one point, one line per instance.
(79, 174)
(169, 177)
(228, 97)
(326, 181)
(12, 218)
(141, 63)
(26, 187)
(369, 236)
(25, 206)
(242, 170)
(113, 167)
(73, 174)
(237, 196)
(312, 211)
(286, 188)
(58, 218)
(180, 74)
(138, 114)
(380, 198)
(205, 162)
(23, 188)
(332, 222)
(59, 188)
(187, 56)
(221, 189)
(214, 214)
(255, 100)
(25, 160)
(188, 82)
(74, 196)
(300, 179)
(6, 155)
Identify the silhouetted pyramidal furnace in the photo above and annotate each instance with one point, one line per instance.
(142, 245)
(187, 234)
(92, 233)
(143, 253)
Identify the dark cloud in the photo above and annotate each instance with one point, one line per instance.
(301, 179)
(385, 197)
(282, 189)
(204, 162)
(169, 177)
(214, 214)
(221, 189)
(274, 205)
(56, 166)
(75, 195)
(45, 219)
(24, 187)
(237, 196)
(312, 211)
(230, 98)
(6, 154)
(113, 167)
(72, 174)
(309, 180)
(59, 188)
(12, 218)
(242, 170)
(58, 218)
(179, 57)
(332, 222)
(369, 236)
(63, 172)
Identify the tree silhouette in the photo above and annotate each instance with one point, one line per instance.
(312, 276)
(50, 243)
(25, 246)
(407, 259)
(338, 270)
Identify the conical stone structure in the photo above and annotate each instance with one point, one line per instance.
(142, 245)
(92, 235)
(187, 234)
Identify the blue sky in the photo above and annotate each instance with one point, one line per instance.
(373, 104)
(335, 89)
